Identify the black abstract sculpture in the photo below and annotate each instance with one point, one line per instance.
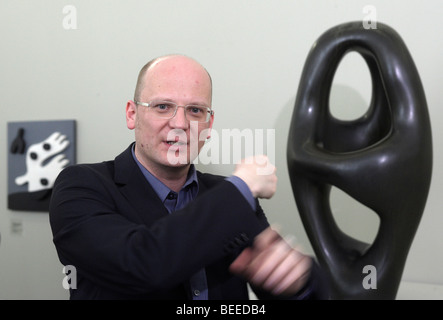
(18, 145)
(383, 159)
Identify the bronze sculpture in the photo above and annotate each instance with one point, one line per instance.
(383, 159)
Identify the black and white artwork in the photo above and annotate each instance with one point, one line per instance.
(37, 152)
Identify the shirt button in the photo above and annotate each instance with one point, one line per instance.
(196, 293)
(171, 196)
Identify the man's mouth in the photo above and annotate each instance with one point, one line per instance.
(176, 143)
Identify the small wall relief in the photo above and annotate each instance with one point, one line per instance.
(37, 152)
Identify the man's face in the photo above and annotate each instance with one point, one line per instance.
(167, 142)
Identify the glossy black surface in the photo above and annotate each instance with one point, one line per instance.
(383, 159)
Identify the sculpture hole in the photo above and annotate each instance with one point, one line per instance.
(351, 89)
(353, 218)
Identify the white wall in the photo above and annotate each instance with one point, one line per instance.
(255, 51)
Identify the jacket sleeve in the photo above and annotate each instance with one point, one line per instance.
(121, 254)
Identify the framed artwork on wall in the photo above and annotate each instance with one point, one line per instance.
(37, 152)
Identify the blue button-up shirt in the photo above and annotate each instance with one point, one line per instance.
(174, 201)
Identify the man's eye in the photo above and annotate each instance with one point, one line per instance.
(195, 110)
(162, 107)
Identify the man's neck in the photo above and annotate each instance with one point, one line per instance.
(172, 177)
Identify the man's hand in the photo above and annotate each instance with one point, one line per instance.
(273, 265)
(259, 174)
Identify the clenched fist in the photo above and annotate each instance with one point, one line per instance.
(273, 265)
(259, 174)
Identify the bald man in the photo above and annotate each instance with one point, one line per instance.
(148, 225)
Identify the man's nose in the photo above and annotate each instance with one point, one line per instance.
(179, 120)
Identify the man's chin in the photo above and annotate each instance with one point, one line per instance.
(177, 159)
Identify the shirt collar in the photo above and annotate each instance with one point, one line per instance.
(191, 184)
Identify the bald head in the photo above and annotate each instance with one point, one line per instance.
(178, 67)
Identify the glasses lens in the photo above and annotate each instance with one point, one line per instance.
(162, 109)
(197, 113)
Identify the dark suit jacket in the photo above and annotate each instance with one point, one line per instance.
(109, 223)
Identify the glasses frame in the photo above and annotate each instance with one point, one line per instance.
(149, 105)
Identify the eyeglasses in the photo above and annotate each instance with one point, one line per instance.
(168, 110)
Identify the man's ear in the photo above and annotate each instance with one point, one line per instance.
(131, 114)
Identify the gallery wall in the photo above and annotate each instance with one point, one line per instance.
(79, 60)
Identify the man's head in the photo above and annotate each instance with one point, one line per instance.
(142, 74)
(161, 142)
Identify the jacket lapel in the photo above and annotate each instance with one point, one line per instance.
(134, 187)
(216, 273)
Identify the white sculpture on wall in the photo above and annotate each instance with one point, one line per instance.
(41, 172)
